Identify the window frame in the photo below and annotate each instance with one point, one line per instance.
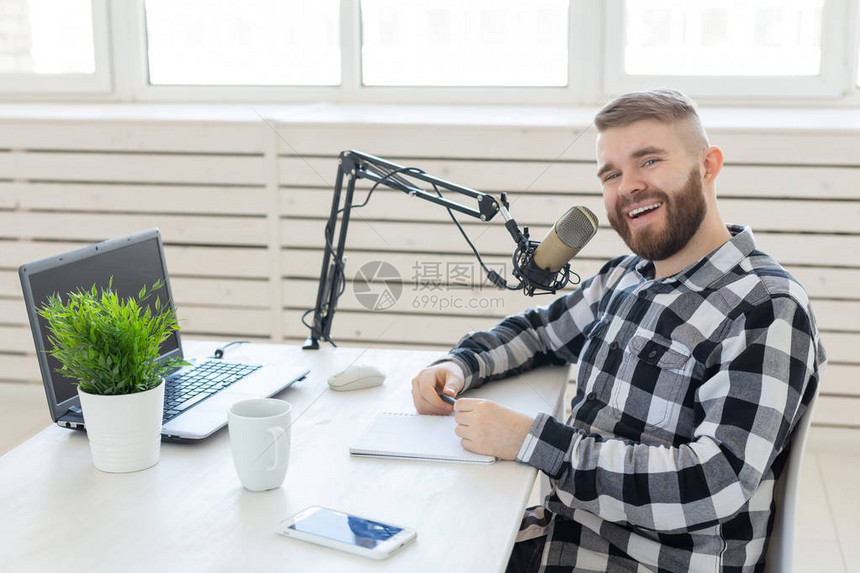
(122, 70)
(99, 82)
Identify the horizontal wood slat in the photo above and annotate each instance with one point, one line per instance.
(556, 176)
(841, 380)
(89, 197)
(12, 311)
(492, 238)
(232, 321)
(90, 227)
(840, 411)
(119, 167)
(539, 143)
(220, 292)
(842, 348)
(16, 339)
(831, 283)
(488, 302)
(9, 284)
(243, 262)
(544, 209)
(306, 263)
(798, 148)
(170, 135)
(15, 368)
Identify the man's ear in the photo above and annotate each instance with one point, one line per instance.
(712, 163)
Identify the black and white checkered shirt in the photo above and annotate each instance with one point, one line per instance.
(687, 391)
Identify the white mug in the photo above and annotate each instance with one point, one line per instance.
(260, 439)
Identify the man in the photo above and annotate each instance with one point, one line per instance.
(696, 359)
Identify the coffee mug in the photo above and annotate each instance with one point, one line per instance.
(260, 439)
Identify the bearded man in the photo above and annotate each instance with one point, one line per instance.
(696, 358)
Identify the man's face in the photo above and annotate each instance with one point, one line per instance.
(652, 188)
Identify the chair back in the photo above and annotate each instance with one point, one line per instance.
(780, 552)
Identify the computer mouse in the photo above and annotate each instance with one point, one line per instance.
(356, 377)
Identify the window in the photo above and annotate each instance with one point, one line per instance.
(772, 48)
(50, 44)
(255, 42)
(455, 43)
(565, 52)
(723, 38)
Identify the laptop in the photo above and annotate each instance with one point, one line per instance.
(133, 261)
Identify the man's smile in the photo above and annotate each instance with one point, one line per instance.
(637, 212)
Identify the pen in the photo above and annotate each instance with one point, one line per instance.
(448, 399)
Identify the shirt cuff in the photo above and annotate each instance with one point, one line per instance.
(468, 375)
(546, 445)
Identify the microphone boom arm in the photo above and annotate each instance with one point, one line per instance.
(354, 165)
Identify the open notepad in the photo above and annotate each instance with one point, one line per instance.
(415, 437)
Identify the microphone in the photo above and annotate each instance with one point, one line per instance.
(545, 265)
(567, 237)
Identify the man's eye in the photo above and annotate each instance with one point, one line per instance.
(610, 177)
(649, 162)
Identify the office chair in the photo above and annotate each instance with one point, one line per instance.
(780, 552)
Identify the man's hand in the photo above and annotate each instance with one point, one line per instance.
(488, 428)
(446, 377)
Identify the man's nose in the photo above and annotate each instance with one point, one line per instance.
(631, 184)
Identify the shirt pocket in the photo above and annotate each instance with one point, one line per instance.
(653, 377)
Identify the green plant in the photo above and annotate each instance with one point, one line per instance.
(108, 344)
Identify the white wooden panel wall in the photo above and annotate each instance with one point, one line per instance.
(209, 187)
(242, 211)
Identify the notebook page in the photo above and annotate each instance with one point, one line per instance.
(414, 436)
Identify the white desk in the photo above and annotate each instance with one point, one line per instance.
(190, 513)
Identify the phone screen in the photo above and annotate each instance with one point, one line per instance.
(345, 528)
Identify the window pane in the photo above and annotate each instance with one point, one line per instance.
(455, 43)
(46, 37)
(254, 42)
(723, 37)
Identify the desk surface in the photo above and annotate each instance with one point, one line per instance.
(189, 512)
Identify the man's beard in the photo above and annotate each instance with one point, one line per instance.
(684, 215)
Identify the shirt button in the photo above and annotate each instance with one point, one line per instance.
(613, 345)
(652, 354)
(591, 396)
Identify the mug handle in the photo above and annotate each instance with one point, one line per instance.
(278, 434)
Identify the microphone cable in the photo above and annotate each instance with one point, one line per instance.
(494, 277)
(341, 288)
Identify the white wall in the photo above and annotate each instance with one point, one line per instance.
(241, 204)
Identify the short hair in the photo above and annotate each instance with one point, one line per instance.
(664, 105)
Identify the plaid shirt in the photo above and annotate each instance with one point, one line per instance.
(688, 388)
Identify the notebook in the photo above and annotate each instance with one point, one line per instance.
(415, 437)
(133, 261)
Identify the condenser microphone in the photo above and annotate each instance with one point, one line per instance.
(567, 237)
(544, 266)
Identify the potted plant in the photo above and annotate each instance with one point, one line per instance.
(111, 346)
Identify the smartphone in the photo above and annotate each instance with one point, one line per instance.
(346, 532)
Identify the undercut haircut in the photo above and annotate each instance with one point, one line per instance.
(663, 105)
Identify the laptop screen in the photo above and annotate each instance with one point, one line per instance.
(132, 264)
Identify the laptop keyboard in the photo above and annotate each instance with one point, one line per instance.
(188, 387)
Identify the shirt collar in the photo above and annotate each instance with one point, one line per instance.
(704, 272)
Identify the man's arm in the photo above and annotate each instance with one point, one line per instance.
(765, 373)
(545, 335)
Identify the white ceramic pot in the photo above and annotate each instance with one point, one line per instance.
(124, 431)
